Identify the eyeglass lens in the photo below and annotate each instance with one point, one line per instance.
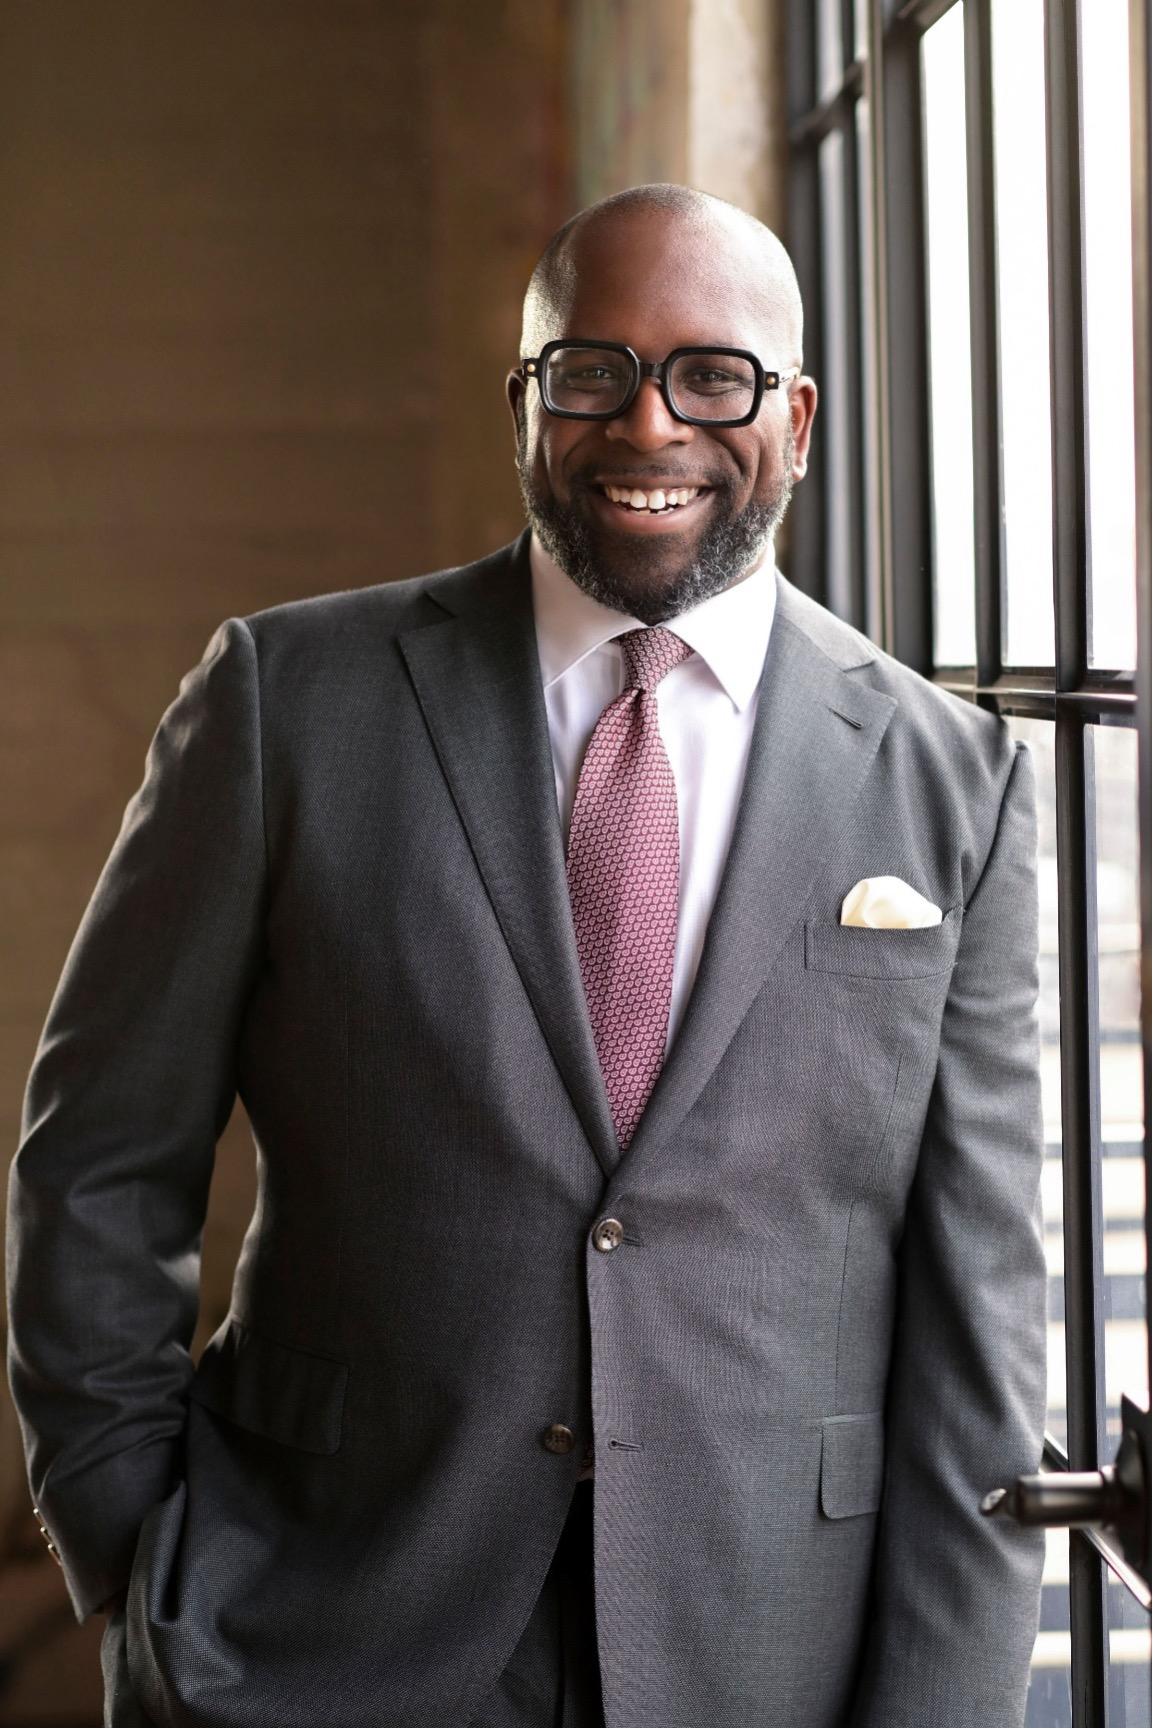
(598, 382)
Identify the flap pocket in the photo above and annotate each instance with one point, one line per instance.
(853, 1459)
(279, 1392)
(884, 952)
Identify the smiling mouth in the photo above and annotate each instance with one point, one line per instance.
(654, 501)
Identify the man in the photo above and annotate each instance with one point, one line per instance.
(639, 1043)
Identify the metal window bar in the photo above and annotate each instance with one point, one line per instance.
(806, 524)
(855, 367)
(845, 589)
(1140, 80)
(985, 396)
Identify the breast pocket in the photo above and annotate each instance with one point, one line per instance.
(884, 952)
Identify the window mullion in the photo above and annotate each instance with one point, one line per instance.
(1078, 989)
(806, 527)
(988, 536)
(1068, 383)
(1082, 1190)
(852, 313)
(801, 59)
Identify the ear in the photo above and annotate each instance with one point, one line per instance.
(515, 395)
(803, 403)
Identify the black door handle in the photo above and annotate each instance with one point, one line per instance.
(1062, 1500)
(1116, 1499)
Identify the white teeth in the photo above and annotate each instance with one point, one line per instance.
(661, 499)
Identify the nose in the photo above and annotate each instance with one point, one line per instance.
(647, 424)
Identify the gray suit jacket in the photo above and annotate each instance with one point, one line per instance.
(340, 891)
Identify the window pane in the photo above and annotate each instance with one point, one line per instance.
(830, 60)
(1129, 1668)
(1109, 356)
(1116, 774)
(835, 373)
(948, 303)
(1049, 1700)
(1023, 329)
(1116, 760)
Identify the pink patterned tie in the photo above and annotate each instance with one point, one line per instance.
(622, 871)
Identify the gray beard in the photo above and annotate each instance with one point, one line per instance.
(640, 582)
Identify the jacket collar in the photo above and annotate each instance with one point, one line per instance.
(729, 632)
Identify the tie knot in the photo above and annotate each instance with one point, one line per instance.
(650, 654)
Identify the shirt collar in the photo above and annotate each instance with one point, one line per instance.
(730, 631)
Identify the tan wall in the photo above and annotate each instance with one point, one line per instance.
(260, 272)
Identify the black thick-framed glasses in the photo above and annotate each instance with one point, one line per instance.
(709, 386)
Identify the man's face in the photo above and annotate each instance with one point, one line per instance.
(650, 282)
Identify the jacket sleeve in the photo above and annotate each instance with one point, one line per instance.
(132, 1083)
(956, 1594)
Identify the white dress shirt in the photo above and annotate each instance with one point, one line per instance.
(706, 709)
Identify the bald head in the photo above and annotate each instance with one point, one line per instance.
(716, 244)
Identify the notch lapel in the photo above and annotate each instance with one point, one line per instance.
(477, 677)
(816, 733)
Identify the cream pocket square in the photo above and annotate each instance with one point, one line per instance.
(887, 902)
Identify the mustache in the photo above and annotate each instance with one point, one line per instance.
(647, 479)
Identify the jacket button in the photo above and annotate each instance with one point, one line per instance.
(608, 1234)
(558, 1439)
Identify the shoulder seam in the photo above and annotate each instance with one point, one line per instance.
(998, 824)
(251, 636)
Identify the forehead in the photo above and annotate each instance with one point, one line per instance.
(657, 283)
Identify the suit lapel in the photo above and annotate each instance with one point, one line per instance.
(477, 677)
(478, 681)
(816, 732)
